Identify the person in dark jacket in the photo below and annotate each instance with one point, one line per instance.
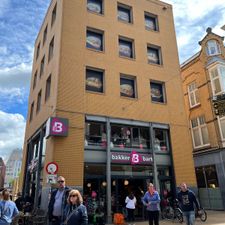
(75, 212)
(58, 202)
(187, 200)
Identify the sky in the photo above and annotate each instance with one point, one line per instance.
(20, 21)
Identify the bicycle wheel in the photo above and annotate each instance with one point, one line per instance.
(203, 215)
(178, 215)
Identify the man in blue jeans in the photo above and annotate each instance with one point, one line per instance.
(187, 200)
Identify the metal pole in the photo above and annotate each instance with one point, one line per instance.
(108, 173)
(155, 172)
(39, 170)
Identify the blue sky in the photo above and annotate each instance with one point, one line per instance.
(20, 21)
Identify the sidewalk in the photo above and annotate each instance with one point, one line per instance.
(214, 218)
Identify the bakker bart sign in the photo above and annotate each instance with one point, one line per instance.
(57, 127)
(131, 158)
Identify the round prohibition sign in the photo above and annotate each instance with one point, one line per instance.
(52, 168)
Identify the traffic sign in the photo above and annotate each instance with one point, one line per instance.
(52, 168)
(51, 178)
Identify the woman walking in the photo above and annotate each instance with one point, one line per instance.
(8, 209)
(75, 212)
(151, 199)
(130, 206)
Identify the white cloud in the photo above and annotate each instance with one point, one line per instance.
(11, 132)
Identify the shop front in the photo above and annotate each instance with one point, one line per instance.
(121, 157)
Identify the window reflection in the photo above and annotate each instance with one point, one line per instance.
(161, 140)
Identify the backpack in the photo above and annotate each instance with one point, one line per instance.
(118, 218)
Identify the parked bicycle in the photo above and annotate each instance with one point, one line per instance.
(172, 212)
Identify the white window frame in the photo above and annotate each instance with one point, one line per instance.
(199, 128)
(213, 43)
(219, 119)
(217, 67)
(195, 92)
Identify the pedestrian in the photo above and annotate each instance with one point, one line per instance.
(75, 212)
(151, 200)
(58, 201)
(187, 199)
(130, 206)
(8, 209)
(19, 201)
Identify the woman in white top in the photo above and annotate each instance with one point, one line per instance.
(130, 205)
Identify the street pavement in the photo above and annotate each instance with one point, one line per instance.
(214, 218)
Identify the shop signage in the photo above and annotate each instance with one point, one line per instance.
(133, 158)
(57, 127)
(52, 168)
(219, 105)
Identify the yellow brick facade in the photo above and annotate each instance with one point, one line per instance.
(70, 100)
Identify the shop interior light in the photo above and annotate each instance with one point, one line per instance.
(104, 184)
(114, 183)
(126, 182)
(89, 185)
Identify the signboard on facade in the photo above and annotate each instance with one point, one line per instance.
(52, 178)
(57, 127)
(219, 105)
(133, 158)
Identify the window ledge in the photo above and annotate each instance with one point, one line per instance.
(195, 106)
(154, 31)
(125, 22)
(95, 13)
(95, 50)
(93, 92)
(202, 147)
(159, 103)
(129, 98)
(124, 57)
(154, 64)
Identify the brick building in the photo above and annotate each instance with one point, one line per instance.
(107, 75)
(203, 78)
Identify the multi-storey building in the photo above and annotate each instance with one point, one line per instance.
(13, 167)
(107, 75)
(2, 173)
(203, 78)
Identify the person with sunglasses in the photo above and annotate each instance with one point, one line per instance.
(58, 202)
(75, 212)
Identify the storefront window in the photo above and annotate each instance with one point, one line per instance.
(161, 142)
(130, 137)
(200, 177)
(95, 134)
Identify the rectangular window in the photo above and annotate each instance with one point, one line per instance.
(94, 40)
(51, 49)
(42, 66)
(123, 136)
(128, 86)
(222, 127)
(124, 13)
(95, 134)
(38, 50)
(48, 88)
(126, 48)
(161, 140)
(35, 80)
(199, 132)
(217, 75)
(151, 22)
(154, 55)
(193, 94)
(54, 15)
(38, 102)
(157, 92)
(45, 34)
(31, 111)
(95, 6)
(94, 80)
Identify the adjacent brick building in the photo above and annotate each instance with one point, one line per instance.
(203, 78)
(2, 173)
(110, 69)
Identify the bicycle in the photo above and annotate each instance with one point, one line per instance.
(201, 214)
(173, 212)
